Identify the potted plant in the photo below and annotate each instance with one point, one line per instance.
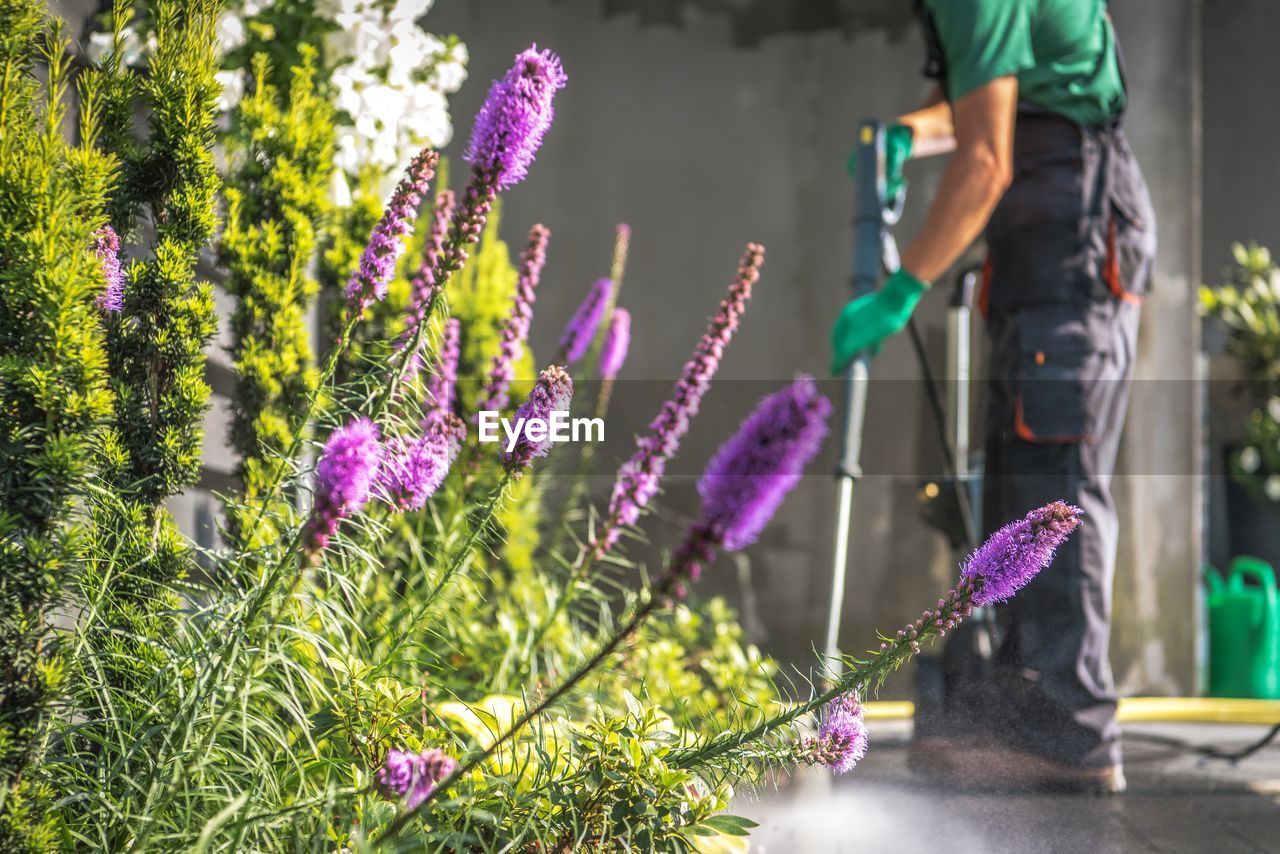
(1248, 306)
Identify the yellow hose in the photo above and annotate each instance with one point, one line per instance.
(889, 710)
(1218, 710)
(1214, 710)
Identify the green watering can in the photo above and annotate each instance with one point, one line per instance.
(1244, 631)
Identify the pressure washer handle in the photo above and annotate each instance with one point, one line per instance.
(873, 252)
(873, 249)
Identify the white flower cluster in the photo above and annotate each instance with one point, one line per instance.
(1250, 458)
(132, 48)
(392, 80)
(231, 35)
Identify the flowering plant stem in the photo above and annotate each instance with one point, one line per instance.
(861, 674)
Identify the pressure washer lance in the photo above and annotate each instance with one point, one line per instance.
(873, 252)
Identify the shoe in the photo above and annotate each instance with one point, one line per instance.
(988, 766)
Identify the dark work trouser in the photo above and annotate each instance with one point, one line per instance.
(1070, 251)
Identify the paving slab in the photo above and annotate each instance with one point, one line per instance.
(1177, 801)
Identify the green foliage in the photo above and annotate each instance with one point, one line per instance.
(1257, 464)
(52, 387)
(157, 348)
(694, 662)
(120, 92)
(1248, 303)
(131, 581)
(282, 157)
(621, 791)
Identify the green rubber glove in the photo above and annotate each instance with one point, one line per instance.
(897, 151)
(866, 322)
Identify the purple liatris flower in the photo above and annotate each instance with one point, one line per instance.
(617, 338)
(515, 327)
(378, 263)
(552, 393)
(998, 569)
(585, 322)
(425, 286)
(106, 245)
(746, 480)
(507, 133)
(443, 384)
(410, 777)
(842, 735)
(1013, 555)
(412, 471)
(344, 477)
(516, 115)
(638, 478)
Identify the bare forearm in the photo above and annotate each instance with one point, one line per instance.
(932, 127)
(971, 187)
(976, 178)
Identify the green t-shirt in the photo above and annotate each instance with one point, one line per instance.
(1062, 52)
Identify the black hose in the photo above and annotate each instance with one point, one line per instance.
(1208, 750)
(934, 396)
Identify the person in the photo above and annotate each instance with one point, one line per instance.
(1030, 96)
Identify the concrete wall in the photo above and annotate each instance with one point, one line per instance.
(702, 146)
(1241, 171)
(1159, 485)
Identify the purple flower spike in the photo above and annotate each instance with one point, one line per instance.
(344, 478)
(515, 116)
(842, 735)
(411, 472)
(638, 478)
(746, 480)
(378, 263)
(504, 140)
(617, 338)
(106, 245)
(552, 393)
(1013, 555)
(752, 472)
(585, 322)
(443, 384)
(425, 286)
(515, 327)
(411, 777)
